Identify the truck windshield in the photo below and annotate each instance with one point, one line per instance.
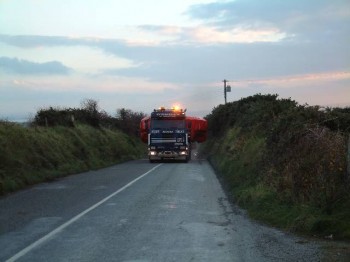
(171, 124)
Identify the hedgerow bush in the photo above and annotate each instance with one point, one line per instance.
(299, 160)
(29, 155)
(89, 114)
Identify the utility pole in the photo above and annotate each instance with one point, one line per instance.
(227, 88)
(348, 158)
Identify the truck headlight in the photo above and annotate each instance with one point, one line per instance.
(183, 153)
(153, 153)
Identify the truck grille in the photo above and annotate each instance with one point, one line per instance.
(167, 135)
(162, 140)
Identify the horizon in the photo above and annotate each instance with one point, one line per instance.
(30, 116)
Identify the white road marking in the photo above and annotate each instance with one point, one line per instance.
(71, 221)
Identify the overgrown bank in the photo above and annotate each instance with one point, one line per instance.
(285, 163)
(65, 141)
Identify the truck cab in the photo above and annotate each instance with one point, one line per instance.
(168, 136)
(169, 133)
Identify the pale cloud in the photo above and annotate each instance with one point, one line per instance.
(84, 84)
(212, 35)
(143, 42)
(294, 81)
(324, 89)
(171, 30)
(236, 35)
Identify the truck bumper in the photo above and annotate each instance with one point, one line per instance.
(181, 155)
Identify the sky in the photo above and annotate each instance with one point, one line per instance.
(141, 55)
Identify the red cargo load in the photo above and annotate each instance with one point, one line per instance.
(144, 127)
(198, 128)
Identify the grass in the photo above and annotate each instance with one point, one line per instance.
(32, 155)
(239, 157)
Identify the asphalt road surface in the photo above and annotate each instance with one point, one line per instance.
(139, 211)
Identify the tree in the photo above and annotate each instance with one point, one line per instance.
(91, 109)
(129, 121)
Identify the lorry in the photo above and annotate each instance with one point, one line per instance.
(170, 134)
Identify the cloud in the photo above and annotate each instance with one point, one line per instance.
(37, 41)
(84, 84)
(312, 19)
(295, 81)
(198, 63)
(212, 35)
(235, 35)
(17, 66)
(208, 63)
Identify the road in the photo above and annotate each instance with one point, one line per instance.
(137, 211)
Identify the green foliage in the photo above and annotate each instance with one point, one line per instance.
(286, 163)
(256, 113)
(35, 154)
(338, 119)
(61, 141)
(129, 121)
(89, 114)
